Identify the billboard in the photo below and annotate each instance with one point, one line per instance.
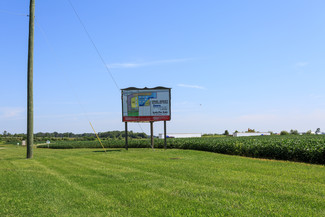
(145, 104)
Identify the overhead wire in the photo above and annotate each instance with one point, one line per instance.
(13, 13)
(52, 51)
(95, 47)
(74, 92)
(140, 127)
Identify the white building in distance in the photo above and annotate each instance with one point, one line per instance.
(250, 134)
(180, 135)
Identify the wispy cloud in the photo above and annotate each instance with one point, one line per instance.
(315, 96)
(11, 112)
(143, 64)
(74, 115)
(191, 86)
(59, 103)
(257, 118)
(302, 64)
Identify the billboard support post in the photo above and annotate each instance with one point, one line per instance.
(126, 135)
(151, 131)
(165, 135)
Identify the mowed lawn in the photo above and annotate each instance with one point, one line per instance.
(143, 182)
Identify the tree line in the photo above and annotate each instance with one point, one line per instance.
(73, 136)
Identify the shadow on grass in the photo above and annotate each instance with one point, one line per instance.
(14, 158)
(107, 151)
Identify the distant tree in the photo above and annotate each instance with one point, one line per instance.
(308, 132)
(236, 131)
(317, 131)
(294, 132)
(142, 135)
(283, 133)
(4, 133)
(89, 138)
(226, 133)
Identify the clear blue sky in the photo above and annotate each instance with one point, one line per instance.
(231, 64)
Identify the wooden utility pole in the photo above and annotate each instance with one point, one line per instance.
(30, 110)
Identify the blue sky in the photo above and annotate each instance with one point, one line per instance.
(231, 64)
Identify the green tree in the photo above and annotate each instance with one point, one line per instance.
(283, 133)
(294, 132)
(226, 133)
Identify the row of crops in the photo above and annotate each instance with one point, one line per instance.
(307, 148)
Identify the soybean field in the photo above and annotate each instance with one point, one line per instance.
(301, 148)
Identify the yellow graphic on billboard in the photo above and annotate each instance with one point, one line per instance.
(134, 102)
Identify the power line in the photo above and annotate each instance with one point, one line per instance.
(68, 81)
(94, 45)
(75, 94)
(13, 13)
(141, 127)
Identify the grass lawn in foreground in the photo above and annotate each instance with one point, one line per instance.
(143, 182)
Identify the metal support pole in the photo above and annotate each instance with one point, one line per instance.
(165, 135)
(126, 135)
(30, 118)
(151, 130)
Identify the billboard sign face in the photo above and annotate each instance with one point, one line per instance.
(148, 104)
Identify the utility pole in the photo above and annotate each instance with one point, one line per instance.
(30, 109)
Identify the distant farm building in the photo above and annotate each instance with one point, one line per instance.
(251, 134)
(180, 135)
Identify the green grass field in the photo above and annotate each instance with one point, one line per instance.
(143, 182)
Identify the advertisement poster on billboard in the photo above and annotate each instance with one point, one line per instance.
(146, 104)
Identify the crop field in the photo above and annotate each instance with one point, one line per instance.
(307, 148)
(145, 182)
